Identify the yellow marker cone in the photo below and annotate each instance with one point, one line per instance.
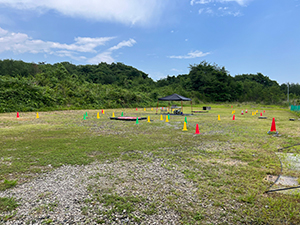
(161, 117)
(184, 127)
(148, 119)
(113, 115)
(152, 109)
(219, 117)
(37, 115)
(167, 119)
(98, 117)
(232, 112)
(144, 109)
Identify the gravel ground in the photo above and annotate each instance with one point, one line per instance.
(76, 195)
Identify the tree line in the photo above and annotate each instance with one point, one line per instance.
(40, 86)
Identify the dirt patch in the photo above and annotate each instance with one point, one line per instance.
(283, 180)
(230, 162)
(290, 160)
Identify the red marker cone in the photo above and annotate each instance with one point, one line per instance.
(135, 109)
(264, 111)
(273, 126)
(18, 116)
(233, 118)
(102, 111)
(197, 129)
(260, 114)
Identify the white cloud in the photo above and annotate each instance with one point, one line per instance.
(220, 11)
(190, 55)
(106, 56)
(200, 11)
(21, 43)
(102, 57)
(127, 12)
(122, 44)
(240, 2)
(176, 70)
(209, 11)
(3, 32)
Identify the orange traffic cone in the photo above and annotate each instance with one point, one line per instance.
(233, 118)
(197, 129)
(273, 127)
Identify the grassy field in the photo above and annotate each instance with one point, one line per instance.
(228, 163)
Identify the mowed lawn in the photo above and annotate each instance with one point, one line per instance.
(228, 162)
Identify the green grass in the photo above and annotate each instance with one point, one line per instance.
(227, 162)
(7, 204)
(8, 184)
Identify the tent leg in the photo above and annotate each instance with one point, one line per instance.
(157, 107)
(192, 107)
(181, 107)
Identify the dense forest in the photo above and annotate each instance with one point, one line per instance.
(31, 87)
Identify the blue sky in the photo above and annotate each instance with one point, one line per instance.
(159, 37)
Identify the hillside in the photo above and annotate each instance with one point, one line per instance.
(30, 86)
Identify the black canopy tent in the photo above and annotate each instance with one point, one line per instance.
(175, 97)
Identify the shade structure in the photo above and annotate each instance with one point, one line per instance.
(175, 97)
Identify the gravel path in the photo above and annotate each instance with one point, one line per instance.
(151, 192)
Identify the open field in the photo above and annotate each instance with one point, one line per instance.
(60, 168)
